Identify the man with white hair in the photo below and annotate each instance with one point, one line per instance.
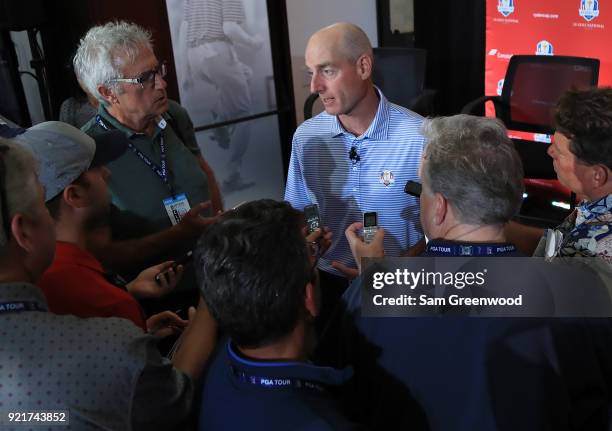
(100, 373)
(356, 156)
(162, 176)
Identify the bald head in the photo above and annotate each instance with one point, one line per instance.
(344, 39)
(339, 58)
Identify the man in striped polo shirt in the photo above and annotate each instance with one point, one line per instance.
(356, 156)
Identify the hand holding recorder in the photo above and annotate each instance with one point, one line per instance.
(360, 248)
(149, 284)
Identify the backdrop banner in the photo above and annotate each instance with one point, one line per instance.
(545, 27)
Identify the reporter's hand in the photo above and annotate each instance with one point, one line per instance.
(322, 237)
(359, 248)
(165, 324)
(194, 222)
(197, 342)
(151, 283)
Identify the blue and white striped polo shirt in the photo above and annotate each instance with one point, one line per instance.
(320, 172)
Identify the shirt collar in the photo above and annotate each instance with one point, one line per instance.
(67, 253)
(377, 130)
(289, 369)
(22, 291)
(588, 210)
(107, 118)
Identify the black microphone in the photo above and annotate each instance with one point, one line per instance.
(413, 188)
(353, 156)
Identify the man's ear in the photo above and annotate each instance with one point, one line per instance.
(22, 231)
(311, 300)
(76, 196)
(440, 209)
(107, 94)
(600, 175)
(364, 66)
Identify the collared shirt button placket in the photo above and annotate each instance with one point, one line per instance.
(357, 171)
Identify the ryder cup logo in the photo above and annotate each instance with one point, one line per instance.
(589, 9)
(544, 47)
(505, 7)
(500, 87)
(387, 178)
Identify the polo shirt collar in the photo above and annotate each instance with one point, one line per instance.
(67, 253)
(107, 119)
(378, 129)
(22, 291)
(326, 376)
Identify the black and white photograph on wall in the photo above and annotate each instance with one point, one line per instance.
(224, 69)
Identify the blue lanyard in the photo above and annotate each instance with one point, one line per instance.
(275, 382)
(17, 306)
(446, 249)
(162, 170)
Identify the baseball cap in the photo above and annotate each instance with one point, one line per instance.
(65, 152)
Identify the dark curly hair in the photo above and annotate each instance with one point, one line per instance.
(252, 267)
(585, 118)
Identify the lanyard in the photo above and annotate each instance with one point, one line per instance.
(161, 171)
(17, 306)
(469, 250)
(275, 382)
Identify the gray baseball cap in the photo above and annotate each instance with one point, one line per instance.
(64, 152)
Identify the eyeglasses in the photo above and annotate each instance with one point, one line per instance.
(146, 78)
(4, 210)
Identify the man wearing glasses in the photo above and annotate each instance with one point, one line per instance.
(160, 184)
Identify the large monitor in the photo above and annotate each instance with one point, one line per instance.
(534, 84)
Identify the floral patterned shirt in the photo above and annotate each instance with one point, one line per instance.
(586, 231)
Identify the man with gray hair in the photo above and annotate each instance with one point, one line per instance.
(467, 373)
(472, 186)
(100, 373)
(356, 156)
(472, 180)
(160, 185)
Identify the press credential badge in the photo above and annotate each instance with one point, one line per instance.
(176, 207)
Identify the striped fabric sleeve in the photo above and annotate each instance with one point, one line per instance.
(295, 191)
(233, 11)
